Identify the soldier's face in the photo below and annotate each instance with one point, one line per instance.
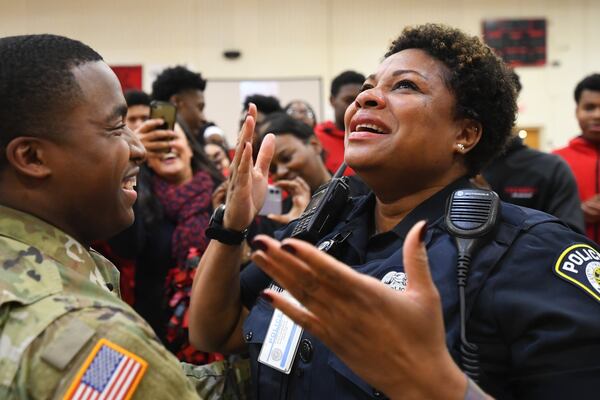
(95, 166)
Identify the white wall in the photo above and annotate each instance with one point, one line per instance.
(281, 38)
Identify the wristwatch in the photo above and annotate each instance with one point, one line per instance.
(218, 232)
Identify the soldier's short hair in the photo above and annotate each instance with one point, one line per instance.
(37, 85)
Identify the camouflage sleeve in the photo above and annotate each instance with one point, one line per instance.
(226, 380)
(101, 349)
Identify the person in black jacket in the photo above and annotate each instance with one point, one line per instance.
(534, 179)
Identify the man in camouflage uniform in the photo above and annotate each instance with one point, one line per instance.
(67, 170)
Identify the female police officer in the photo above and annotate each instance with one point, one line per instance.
(436, 109)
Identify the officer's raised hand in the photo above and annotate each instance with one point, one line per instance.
(354, 315)
(248, 180)
(216, 289)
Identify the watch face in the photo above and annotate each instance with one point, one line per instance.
(219, 214)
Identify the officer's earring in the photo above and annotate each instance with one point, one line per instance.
(460, 147)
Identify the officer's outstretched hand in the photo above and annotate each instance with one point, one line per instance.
(248, 181)
(394, 340)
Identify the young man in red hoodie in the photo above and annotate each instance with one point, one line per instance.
(583, 152)
(344, 89)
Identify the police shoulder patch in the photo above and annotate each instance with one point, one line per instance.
(109, 372)
(579, 264)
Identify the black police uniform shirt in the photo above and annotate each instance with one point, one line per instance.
(532, 308)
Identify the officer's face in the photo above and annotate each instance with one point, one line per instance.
(95, 164)
(588, 114)
(401, 126)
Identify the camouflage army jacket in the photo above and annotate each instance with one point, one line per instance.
(65, 333)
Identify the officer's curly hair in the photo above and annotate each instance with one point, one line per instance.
(175, 81)
(37, 85)
(480, 81)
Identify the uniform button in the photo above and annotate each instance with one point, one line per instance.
(376, 393)
(248, 336)
(306, 350)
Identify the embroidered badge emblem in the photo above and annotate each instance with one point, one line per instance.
(580, 265)
(396, 280)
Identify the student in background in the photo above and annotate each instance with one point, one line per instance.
(301, 110)
(583, 152)
(344, 89)
(265, 105)
(138, 108)
(534, 179)
(185, 89)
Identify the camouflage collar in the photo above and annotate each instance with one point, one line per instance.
(48, 239)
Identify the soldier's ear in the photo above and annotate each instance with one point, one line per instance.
(28, 156)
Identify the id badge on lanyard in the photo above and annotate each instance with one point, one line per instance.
(282, 339)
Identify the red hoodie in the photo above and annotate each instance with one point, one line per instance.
(332, 140)
(583, 156)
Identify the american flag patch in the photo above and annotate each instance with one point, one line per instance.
(109, 373)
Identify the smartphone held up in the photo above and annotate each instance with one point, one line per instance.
(273, 201)
(165, 111)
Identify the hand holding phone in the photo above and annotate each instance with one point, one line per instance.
(273, 201)
(299, 192)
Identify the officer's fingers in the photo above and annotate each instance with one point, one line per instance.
(416, 263)
(265, 154)
(328, 270)
(245, 165)
(291, 275)
(247, 129)
(290, 270)
(302, 316)
(252, 110)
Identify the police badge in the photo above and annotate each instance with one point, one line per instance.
(580, 265)
(396, 280)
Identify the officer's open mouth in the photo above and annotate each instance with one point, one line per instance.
(370, 128)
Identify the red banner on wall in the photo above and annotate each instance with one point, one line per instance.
(130, 76)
